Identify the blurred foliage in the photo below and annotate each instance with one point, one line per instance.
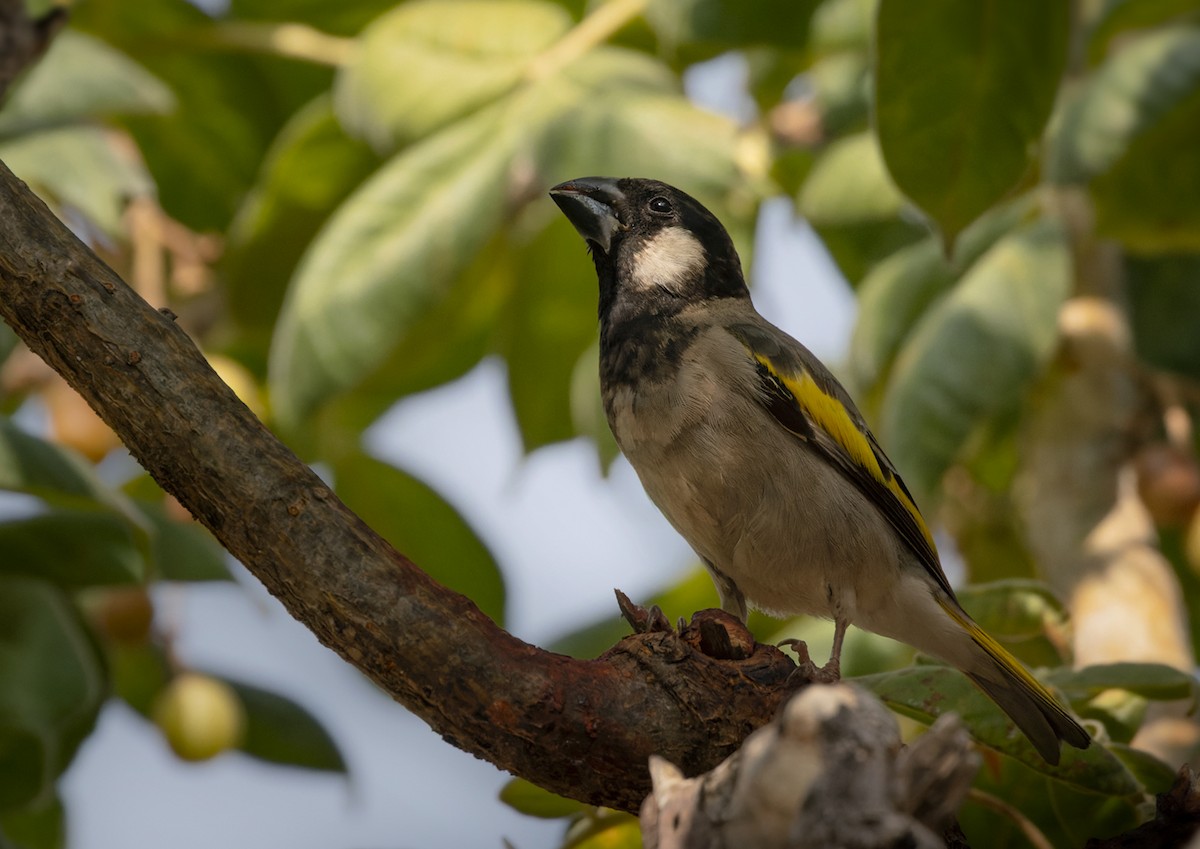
(345, 204)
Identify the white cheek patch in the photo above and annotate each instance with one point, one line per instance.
(669, 260)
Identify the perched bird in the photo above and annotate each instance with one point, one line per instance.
(758, 456)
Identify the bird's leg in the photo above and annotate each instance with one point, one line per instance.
(808, 671)
(733, 601)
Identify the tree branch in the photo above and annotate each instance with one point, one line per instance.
(584, 729)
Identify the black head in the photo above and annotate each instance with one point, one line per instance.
(651, 243)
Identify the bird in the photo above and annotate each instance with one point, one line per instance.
(757, 455)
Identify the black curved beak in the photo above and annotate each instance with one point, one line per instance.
(590, 204)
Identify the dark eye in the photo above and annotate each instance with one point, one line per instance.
(660, 205)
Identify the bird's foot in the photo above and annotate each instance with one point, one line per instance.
(808, 672)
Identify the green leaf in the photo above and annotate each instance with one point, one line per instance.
(974, 354)
(841, 91)
(81, 78)
(842, 25)
(184, 550)
(924, 693)
(695, 30)
(79, 167)
(1146, 200)
(1164, 298)
(280, 731)
(551, 321)
(1118, 18)
(1154, 681)
(51, 687)
(139, 673)
(420, 524)
(387, 255)
(38, 826)
(587, 408)
(849, 184)
(204, 155)
(1132, 92)
(311, 168)
(454, 57)
(531, 800)
(1153, 774)
(1015, 609)
(962, 92)
(346, 17)
(73, 531)
(897, 291)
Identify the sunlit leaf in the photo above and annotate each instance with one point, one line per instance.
(81, 78)
(51, 688)
(896, 292)
(79, 167)
(281, 731)
(346, 17)
(962, 93)
(1135, 89)
(386, 256)
(849, 183)
(312, 166)
(425, 64)
(421, 525)
(974, 354)
(1119, 18)
(533, 801)
(842, 26)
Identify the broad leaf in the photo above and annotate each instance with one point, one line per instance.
(1119, 18)
(311, 168)
(975, 353)
(81, 78)
(279, 730)
(184, 550)
(962, 92)
(41, 825)
(1128, 95)
(550, 322)
(924, 693)
(453, 58)
(695, 30)
(533, 801)
(346, 17)
(420, 524)
(1016, 609)
(1164, 300)
(81, 168)
(849, 184)
(897, 291)
(1154, 681)
(51, 687)
(387, 255)
(67, 526)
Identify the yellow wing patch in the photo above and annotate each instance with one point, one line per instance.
(831, 416)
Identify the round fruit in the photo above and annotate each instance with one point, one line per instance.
(200, 716)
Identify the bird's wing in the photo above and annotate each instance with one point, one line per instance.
(807, 400)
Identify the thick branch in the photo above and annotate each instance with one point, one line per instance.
(582, 728)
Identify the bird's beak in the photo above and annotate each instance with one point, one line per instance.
(590, 203)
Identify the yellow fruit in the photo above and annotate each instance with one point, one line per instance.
(200, 716)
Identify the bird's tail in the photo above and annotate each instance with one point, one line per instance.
(1011, 686)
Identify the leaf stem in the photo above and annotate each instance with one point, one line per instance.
(292, 40)
(592, 31)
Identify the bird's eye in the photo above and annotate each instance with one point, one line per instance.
(660, 205)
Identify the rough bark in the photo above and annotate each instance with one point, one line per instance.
(584, 729)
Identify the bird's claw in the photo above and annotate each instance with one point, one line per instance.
(806, 671)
